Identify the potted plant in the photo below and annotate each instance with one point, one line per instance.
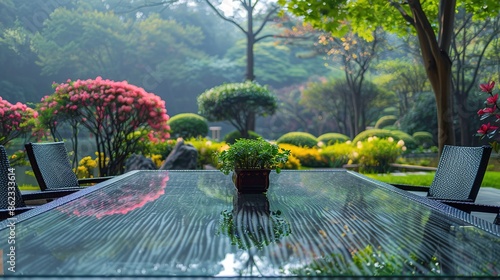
(251, 161)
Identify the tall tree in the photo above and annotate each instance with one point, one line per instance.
(431, 20)
(257, 14)
(355, 56)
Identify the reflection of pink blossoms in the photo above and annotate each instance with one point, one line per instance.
(121, 200)
(14, 120)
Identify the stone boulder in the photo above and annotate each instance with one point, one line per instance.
(182, 157)
(139, 162)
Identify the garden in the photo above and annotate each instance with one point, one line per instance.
(114, 120)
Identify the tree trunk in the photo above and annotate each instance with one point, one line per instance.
(249, 76)
(437, 63)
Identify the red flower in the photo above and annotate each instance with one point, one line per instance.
(487, 87)
(492, 100)
(488, 110)
(486, 128)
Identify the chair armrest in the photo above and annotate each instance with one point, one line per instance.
(5, 214)
(472, 207)
(411, 188)
(86, 181)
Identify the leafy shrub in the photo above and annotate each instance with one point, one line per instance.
(410, 143)
(332, 138)
(163, 149)
(308, 157)
(300, 139)
(231, 137)
(188, 125)
(206, 151)
(423, 138)
(234, 101)
(375, 154)
(338, 154)
(292, 163)
(86, 167)
(386, 121)
(391, 127)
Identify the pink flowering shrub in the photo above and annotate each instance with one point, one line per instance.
(15, 120)
(120, 116)
(491, 113)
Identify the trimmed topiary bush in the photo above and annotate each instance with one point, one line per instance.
(231, 137)
(188, 125)
(410, 143)
(424, 139)
(386, 121)
(380, 133)
(332, 138)
(300, 139)
(235, 102)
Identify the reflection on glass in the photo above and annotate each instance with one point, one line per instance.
(121, 200)
(252, 224)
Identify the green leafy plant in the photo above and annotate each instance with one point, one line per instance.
(252, 154)
(237, 103)
(332, 138)
(338, 154)
(188, 125)
(231, 137)
(375, 154)
(298, 138)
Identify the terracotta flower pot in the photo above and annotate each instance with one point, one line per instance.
(251, 180)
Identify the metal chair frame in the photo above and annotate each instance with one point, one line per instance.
(52, 169)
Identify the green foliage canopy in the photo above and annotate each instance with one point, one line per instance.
(90, 43)
(188, 125)
(364, 16)
(298, 138)
(236, 102)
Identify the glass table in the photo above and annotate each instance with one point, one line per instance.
(194, 224)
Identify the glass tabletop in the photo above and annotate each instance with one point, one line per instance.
(195, 224)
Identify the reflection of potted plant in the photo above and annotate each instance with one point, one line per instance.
(252, 224)
(251, 161)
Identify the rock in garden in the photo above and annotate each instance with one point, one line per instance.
(183, 156)
(139, 162)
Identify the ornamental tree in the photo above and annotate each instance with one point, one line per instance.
(237, 103)
(15, 120)
(119, 116)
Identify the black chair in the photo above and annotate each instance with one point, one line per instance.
(474, 207)
(52, 168)
(458, 176)
(11, 200)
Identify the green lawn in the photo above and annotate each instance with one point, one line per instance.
(491, 179)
